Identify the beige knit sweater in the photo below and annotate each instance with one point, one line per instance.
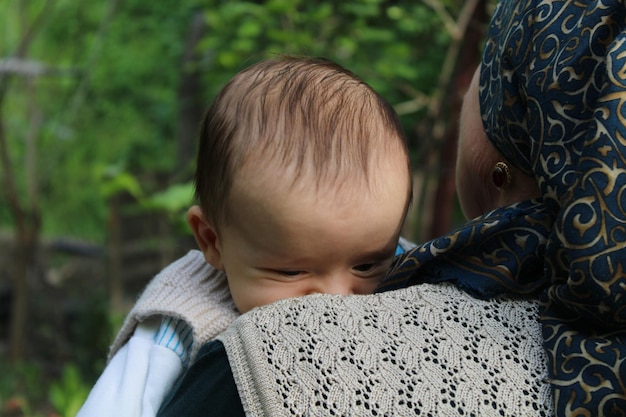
(188, 289)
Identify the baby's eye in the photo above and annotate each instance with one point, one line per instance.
(364, 267)
(291, 273)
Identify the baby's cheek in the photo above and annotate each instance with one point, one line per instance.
(368, 286)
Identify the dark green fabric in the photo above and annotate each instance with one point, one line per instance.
(207, 389)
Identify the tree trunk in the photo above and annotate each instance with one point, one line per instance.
(471, 37)
(191, 105)
(27, 248)
(116, 284)
(26, 216)
(27, 225)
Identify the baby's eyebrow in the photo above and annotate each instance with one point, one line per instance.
(378, 253)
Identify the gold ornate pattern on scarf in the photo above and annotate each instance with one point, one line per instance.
(553, 94)
(501, 252)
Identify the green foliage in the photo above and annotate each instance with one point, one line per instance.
(89, 332)
(21, 387)
(115, 181)
(174, 200)
(69, 393)
(373, 38)
(103, 119)
(112, 98)
(26, 390)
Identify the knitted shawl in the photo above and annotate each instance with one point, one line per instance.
(430, 350)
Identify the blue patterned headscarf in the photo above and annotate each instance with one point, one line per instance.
(553, 101)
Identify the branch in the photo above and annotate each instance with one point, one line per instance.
(456, 29)
(8, 180)
(23, 46)
(83, 83)
(450, 61)
(419, 102)
(451, 26)
(10, 188)
(32, 68)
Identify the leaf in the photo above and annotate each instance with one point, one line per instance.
(172, 200)
(122, 181)
(68, 394)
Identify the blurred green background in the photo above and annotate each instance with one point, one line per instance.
(100, 103)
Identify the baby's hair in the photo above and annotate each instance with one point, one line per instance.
(301, 112)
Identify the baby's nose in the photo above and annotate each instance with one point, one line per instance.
(338, 284)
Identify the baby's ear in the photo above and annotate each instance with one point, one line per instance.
(206, 237)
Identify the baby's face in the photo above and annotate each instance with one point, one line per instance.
(281, 242)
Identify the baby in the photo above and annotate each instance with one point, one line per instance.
(303, 182)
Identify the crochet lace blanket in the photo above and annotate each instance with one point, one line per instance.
(429, 350)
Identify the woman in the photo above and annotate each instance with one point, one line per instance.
(551, 92)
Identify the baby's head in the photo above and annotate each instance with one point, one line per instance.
(303, 180)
